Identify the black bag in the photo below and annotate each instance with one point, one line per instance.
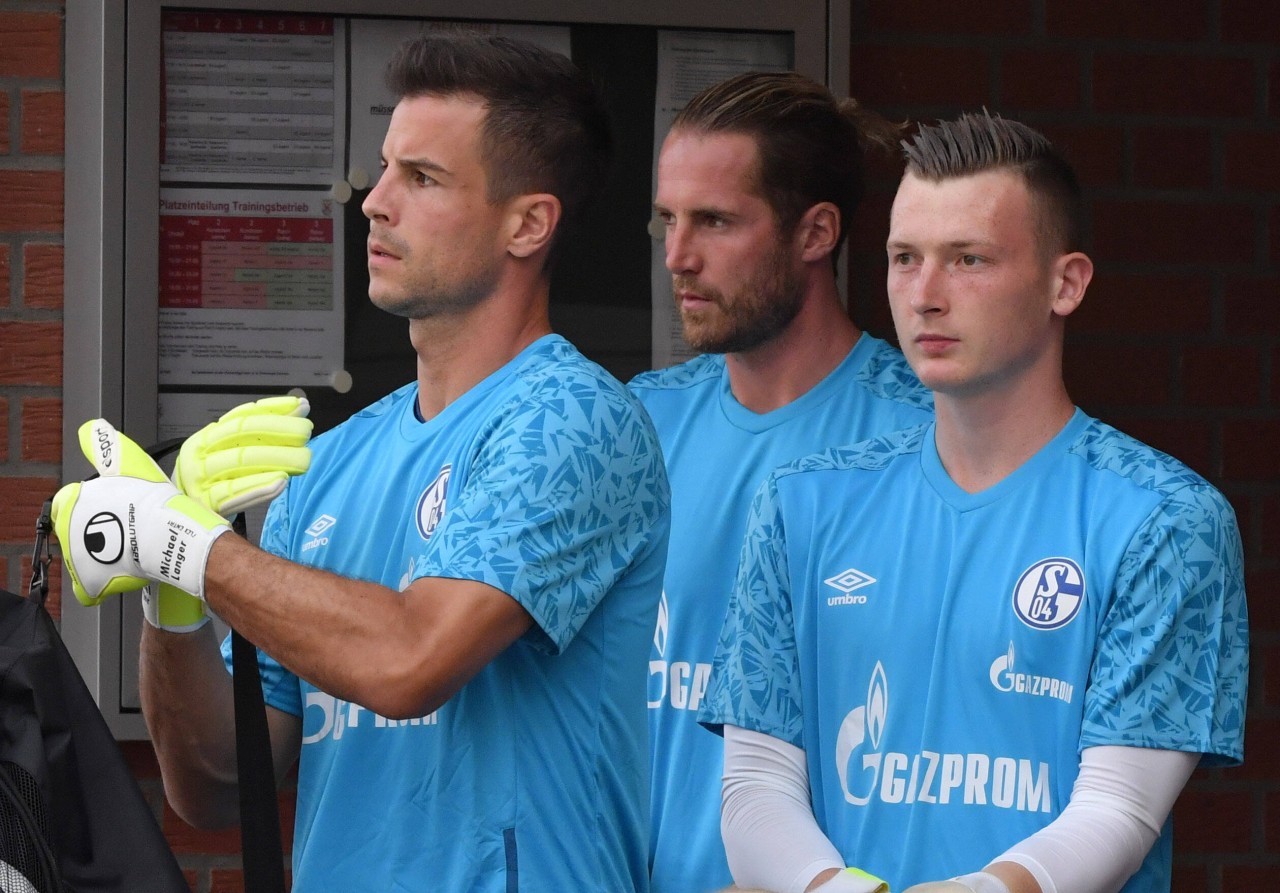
(72, 817)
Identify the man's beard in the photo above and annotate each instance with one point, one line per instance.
(760, 311)
(424, 301)
(429, 294)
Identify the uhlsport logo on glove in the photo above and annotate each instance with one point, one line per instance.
(104, 538)
(105, 436)
(130, 524)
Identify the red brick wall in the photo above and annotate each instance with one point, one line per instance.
(30, 276)
(1171, 114)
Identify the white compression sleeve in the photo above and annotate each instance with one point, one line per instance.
(771, 838)
(1118, 805)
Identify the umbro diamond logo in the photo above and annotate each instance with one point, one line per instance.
(321, 524)
(849, 580)
(317, 532)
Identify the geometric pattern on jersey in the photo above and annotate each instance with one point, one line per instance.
(1092, 597)
(545, 481)
(717, 454)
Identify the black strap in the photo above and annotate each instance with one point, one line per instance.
(261, 851)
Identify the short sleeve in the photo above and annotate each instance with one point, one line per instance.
(1171, 669)
(275, 527)
(280, 688)
(566, 491)
(755, 675)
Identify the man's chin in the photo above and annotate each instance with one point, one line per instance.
(699, 330)
(707, 340)
(396, 305)
(701, 340)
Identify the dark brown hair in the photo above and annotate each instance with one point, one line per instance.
(546, 127)
(975, 143)
(811, 144)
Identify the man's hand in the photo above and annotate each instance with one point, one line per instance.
(247, 456)
(243, 459)
(129, 525)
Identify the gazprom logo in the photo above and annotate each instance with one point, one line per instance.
(336, 716)
(660, 631)
(1048, 595)
(863, 724)
(869, 773)
(678, 684)
(1006, 679)
(431, 503)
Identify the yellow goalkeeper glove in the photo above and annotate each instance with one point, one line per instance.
(130, 524)
(243, 459)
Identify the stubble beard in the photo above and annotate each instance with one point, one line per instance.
(429, 295)
(760, 311)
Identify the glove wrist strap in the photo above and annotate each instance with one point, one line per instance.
(172, 610)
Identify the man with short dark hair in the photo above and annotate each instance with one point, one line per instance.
(1050, 632)
(758, 182)
(458, 596)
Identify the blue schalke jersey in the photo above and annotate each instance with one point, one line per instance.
(718, 453)
(942, 657)
(544, 481)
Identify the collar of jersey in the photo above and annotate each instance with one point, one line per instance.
(414, 428)
(839, 377)
(1042, 463)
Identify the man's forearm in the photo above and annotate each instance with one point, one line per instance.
(333, 631)
(399, 654)
(186, 701)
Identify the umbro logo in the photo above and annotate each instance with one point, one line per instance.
(321, 524)
(317, 530)
(846, 582)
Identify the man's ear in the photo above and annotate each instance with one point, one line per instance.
(818, 232)
(532, 220)
(1072, 274)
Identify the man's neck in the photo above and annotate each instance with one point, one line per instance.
(983, 440)
(787, 367)
(458, 351)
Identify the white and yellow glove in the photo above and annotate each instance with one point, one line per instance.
(243, 459)
(130, 524)
(247, 456)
